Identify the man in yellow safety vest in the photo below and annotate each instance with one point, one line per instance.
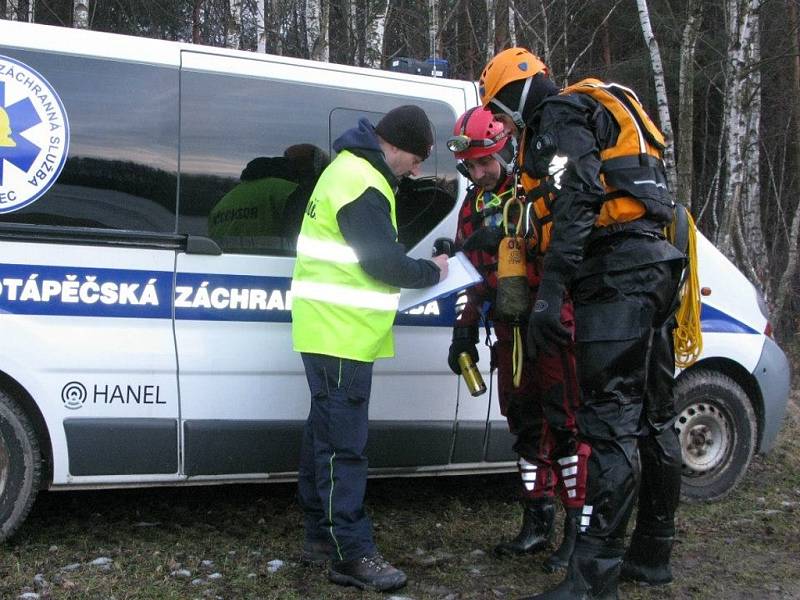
(345, 294)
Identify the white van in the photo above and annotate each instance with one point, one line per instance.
(140, 351)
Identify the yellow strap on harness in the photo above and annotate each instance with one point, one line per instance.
(688, 336)
(517, 350)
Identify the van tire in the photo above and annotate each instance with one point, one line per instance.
(20, 465)
(716, 429)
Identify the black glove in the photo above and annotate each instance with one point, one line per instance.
(465, 339)
(545, 330)
(486, 239)
(444, 246)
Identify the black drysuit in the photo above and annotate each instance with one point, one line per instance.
(623, 280)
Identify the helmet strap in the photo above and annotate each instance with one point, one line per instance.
(507, 167)
(516, 115)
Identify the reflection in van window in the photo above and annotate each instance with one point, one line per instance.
(121, 170)
(250, 159)
(262, 213)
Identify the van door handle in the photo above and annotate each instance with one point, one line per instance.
(198, 244)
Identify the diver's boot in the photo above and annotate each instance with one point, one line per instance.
(593, 573)
(560, 558)
(647, 559)
(538, 515)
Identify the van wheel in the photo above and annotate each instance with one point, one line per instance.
(717, 432)
(20, 466)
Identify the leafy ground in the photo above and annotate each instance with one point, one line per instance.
(222, 542)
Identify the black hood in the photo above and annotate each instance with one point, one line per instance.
(363, 142)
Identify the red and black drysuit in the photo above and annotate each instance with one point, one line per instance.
(541, 410)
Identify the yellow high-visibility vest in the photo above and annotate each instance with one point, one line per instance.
(337, 308)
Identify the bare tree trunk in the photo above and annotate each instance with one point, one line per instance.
(491, 14)
(317, 21)
(565, 41)
(432, 28)
(80, 14)
(547, 47)
(261, 28)
(197, 34)
(685, 149)
(351, 38)
(661, 91)
(31, 11)
(375, 31)
(512, 23)
(233, 34)
(12, 10)
(789, 272)
(742, 29)
(752, 249)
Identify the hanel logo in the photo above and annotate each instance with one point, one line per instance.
(34, 135)
(74, 394)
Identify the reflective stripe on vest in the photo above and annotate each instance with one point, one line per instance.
(323, 250)
(337, 308)
(344, 295)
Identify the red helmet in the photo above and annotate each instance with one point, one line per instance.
(477, 134)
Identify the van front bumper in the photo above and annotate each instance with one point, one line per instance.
(773, 374)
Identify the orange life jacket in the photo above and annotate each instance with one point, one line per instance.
(632, 170)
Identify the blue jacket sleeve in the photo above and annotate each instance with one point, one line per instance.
(366, 225)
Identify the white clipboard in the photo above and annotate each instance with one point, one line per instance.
(460, 275)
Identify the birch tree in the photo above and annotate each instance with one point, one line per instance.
(741, 25)
(233, 35)
(661, 90)
(685, 149)
(317, 20)
(752, 248)
(261, 28)
(80, 14)
(512, 23)
(376, 30)
(491, 15)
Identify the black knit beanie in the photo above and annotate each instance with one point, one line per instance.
(408, 128)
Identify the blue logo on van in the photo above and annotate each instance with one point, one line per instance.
(34, 135)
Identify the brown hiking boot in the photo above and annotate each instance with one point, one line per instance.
(368, 572)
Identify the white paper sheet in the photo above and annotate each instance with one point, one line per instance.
(460, 275)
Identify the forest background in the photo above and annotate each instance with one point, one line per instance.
(722, 78)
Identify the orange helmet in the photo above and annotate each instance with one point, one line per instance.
(477, 134)
(510, 65)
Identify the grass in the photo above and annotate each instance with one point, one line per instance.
(440, 531)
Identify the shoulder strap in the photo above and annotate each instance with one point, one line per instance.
(616, 98)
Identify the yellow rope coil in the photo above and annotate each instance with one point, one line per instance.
(688, 336)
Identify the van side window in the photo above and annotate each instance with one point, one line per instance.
(121, 169)
(250, 158)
